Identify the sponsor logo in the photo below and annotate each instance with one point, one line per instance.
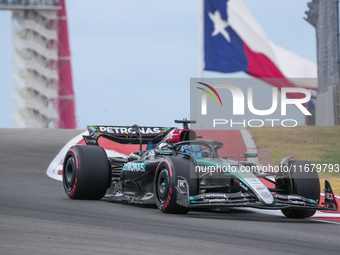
(129, 130)
(90, 141)
(243, 186)
(239, 100)
(260, 188)
(214, 200)
(217, 196)
(265, 194)
(134, 166)
(294, 197)
(330, 196)
(230, 106)
(204, 97)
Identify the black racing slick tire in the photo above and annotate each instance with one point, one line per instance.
(166, 180)
(303, 181)
(86, 172)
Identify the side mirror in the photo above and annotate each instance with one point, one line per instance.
(249, 155)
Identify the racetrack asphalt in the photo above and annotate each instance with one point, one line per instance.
(36, 217)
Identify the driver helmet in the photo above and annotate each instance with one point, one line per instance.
(193, 150)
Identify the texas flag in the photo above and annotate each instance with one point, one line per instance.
(234, 41)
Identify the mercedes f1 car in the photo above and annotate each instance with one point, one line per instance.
(179, 172)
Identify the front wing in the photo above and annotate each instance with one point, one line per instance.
(247, 199)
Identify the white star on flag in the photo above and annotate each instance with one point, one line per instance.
(220, 25)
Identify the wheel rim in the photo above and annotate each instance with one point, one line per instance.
(69, 174)
(163, 186)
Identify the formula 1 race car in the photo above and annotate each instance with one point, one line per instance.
(178, 172)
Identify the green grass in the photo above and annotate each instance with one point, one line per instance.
(319, 145)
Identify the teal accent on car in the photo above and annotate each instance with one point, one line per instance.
(312, 202)
(134, 167)
(192, 199)
(92, 128)
(165, 151)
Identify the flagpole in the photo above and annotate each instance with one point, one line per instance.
(201, 53)
(201, 41)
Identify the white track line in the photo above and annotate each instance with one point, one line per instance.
(326, 221)
(52, 170)
(57, 162)
(323, 194)
(250, 144)
(314, 217)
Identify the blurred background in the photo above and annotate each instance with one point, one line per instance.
(131, 61)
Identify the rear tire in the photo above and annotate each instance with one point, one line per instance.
(86, 172)
(166, 181)
(302, 183)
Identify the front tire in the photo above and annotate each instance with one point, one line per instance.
(166, 180)
(302, 183)
(86, 172)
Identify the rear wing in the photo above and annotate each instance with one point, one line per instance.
(126, 134)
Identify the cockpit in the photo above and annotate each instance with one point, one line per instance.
(197, 151)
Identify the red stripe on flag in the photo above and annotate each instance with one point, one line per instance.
(260, 66)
